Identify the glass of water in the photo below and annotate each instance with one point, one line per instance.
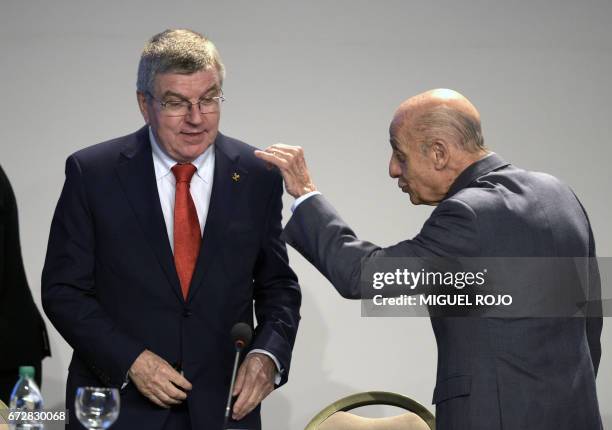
(97, 408)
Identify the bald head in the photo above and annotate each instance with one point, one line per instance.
(440, 113)
(441, 97)
(434, 137)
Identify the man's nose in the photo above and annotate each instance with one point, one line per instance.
(194, 116)
(394, 169)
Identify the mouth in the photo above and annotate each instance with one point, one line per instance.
(193, 133)
(194, 137)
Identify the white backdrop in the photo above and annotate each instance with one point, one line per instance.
(326, 76)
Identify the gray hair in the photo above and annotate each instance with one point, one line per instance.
(452, 123)
(176, 51)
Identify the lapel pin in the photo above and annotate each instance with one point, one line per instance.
(236, 177)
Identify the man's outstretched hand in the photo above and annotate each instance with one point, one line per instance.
(292, 165)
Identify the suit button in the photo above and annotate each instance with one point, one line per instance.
(186, 313)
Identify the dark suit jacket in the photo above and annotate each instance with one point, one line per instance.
(493, 373)
(23, 336)
(111, 289)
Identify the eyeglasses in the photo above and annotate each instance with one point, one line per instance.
(183, 107)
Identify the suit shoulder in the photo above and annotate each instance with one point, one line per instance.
(547, 180)
(103, 153)
(248, 159)
(515, 192)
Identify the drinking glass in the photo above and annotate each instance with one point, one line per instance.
(96, 407)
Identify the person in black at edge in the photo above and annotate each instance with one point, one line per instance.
(23, 335)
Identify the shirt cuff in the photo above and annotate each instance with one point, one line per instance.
(277, 378)
(300, 199)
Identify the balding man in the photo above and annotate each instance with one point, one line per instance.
(493, 373)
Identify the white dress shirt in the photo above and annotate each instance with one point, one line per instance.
(200, 186)
(300, 199)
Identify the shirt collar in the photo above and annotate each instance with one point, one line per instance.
(163, 163)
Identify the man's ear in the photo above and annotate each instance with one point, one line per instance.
(440, 154)
(142, 104)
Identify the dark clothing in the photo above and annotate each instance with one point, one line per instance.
(178, 418)
(493, 373)
(111, 289)
(23, 336)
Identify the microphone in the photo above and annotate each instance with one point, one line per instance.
(241, 336)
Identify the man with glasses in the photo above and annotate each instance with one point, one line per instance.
(161, 241)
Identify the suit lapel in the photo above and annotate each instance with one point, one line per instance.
(137, 176)
(229, 182)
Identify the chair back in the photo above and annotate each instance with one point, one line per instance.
(336, 416)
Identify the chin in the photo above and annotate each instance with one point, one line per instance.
(414, 200)
(194, 150)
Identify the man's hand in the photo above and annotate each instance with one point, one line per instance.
(292, 165)
(157, 380)
(254, 382)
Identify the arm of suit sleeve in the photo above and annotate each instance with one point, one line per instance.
(594, 323)
(276, 291)
(300, 199)
(318, 233)
(69, 289)
(594, 320)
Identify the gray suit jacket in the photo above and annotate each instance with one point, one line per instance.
(493, 373)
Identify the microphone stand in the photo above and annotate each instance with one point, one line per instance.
(239, 345)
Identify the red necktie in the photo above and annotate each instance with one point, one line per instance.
(187, 236)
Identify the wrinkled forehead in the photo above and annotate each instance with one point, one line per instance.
(199, 81)
(399, 129)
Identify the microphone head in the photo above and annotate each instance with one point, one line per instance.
(241, 334)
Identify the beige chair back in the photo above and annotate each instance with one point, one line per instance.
(336, 417)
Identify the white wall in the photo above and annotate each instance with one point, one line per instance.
(326, 76)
